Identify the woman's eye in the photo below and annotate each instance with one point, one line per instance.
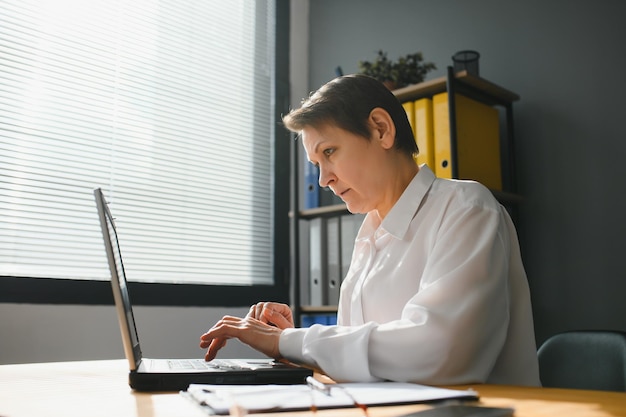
(328, 151)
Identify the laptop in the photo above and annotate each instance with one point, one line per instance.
(176, 374)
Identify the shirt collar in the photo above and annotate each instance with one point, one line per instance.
(399, 218)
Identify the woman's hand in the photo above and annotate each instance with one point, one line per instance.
(260, 329)
(254, 333)
(275, 314)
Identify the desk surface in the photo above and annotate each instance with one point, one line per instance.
(100, 388)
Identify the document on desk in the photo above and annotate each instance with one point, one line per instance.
(221, 399)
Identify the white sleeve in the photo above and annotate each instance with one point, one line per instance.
(341, 352)
(450, 332)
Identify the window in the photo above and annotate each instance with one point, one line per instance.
(170, 107)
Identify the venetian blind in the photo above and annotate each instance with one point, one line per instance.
(166, 105)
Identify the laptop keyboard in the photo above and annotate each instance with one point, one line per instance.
(200, 364)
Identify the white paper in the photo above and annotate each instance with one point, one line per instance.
(266, 398)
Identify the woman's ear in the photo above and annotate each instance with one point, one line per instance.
(383, 128)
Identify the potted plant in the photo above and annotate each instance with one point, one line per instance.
(408, 69)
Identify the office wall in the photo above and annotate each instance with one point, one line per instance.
(565, 59)
(46, 333)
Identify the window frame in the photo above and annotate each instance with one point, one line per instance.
(94, 292)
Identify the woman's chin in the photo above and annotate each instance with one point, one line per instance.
(355, 208)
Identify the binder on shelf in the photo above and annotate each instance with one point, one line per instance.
(313, 195)
(423, 130)
(308, 320)
(317, 262)
(328, 198)
(333, 260)
(311, 185)
(305, 269)
(477, 154)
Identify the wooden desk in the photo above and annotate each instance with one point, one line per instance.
(100, 388)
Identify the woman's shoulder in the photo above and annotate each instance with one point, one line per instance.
(464, 192)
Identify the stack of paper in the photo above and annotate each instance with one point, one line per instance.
(220, 399)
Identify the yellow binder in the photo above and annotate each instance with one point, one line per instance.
(424, 135)
(477, 141)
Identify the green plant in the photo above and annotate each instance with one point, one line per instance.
(408, 69)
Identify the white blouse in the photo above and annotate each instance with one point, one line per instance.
(435, 294)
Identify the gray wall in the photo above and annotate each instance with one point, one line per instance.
(566, 60)
(46, 333)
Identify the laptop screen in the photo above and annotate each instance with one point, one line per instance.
(119, 283)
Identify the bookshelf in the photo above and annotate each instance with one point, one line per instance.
(324, 211)
(461, 83)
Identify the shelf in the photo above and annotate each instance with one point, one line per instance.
(495, 91)
(490, 92)
(421, 90)
(324, 211)
(318, 309)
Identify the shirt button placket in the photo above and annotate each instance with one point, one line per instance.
(366, 254)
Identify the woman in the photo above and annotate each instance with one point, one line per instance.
(436, 292)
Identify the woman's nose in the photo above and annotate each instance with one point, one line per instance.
(326, 177)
